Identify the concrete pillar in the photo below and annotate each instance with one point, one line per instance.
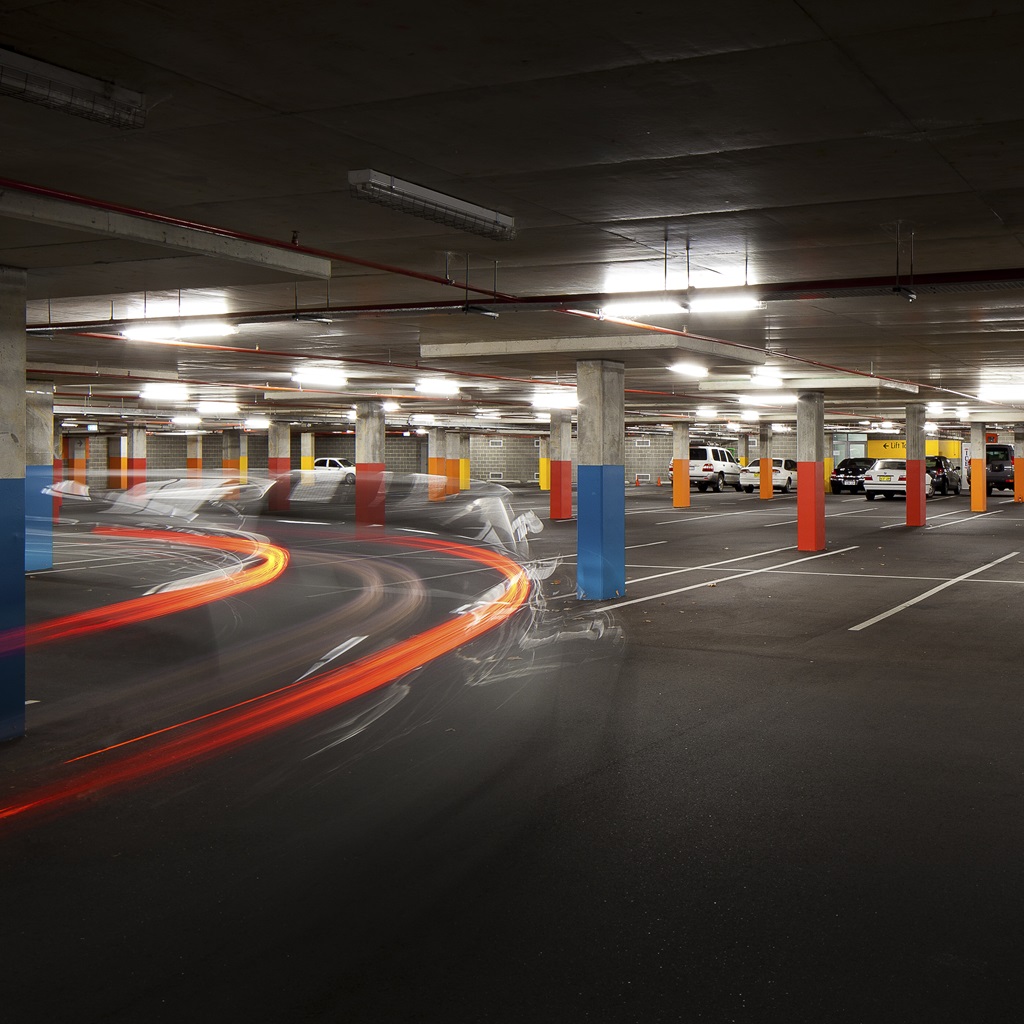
(600, 480)
(810, 454)
(231, 452)
(766, 489)
(560, 446)
(979, 469)
(12, 503)
(916, 514)
(117, 462)
(451, 463)
(544, 463)
(1018, 462)
(680, 465)
(136, 456)
(279, 466)
(436, 464)
(743, 449)
(370, 439)
(307, 450)
(59, 455)
(194, 455)
(38, 477)
(464, 469)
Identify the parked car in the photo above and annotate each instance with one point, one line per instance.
(336, 467)
(945, 475)
(998, 468)
(783, 475)
(713, 467)
(848, 475)
(888, 477)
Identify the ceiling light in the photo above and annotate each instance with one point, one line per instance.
(733, 425)
(257, 423)
(767, 380)
(437, 386)
(320, 376)
(1001, 393)
(750, 414)
(563, 399)
(705, 412)
(689, 369)
(931, 428)
(164, 391)
(187, 419)
(217, 408)
(885, 425)
(640, 306)
(387, 190)
(390, 406)
(781, 428)
(935, 408)
(421, 418)
(69, 92)
(177, 332)
(724, 303)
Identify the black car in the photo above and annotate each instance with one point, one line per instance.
(998, 467)
(945, 476)
(848, 475)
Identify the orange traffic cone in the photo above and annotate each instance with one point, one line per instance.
(637, 484)
(659, 481)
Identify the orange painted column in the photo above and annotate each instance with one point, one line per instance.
(979, 469)
(810, 449)
(766, 487)
(79, 451)
(680, 465)
(451, 464)
(117, 463)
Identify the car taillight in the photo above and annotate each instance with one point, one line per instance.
(707, 467)
(902, 479)
(868, 476)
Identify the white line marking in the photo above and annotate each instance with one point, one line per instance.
(726, 579)
(709, 565)
(929, 593)
(714, 515)
(835, 515)
(955, 522)
(651, 544)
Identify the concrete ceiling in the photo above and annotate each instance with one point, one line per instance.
(822, 154)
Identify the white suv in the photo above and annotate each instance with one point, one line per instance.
(713, 467)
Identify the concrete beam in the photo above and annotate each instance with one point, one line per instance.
(78, 217)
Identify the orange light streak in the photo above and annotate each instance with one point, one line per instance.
(217, 732)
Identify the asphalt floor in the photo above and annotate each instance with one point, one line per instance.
(764, 785)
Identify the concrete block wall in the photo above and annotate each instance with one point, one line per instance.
(515, 457)
(648, 457)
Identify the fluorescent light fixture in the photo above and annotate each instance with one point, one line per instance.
(178, 332)
(217, 408)
(390, 406)
(69, 92)
(640, 306)
(404, 196)
(724, 303)
(437, 386)
(935, 408)
(733, 425)
(750, 414)
(1001, 392)
(257, 423)
(705, 412)
(187, 419)
(320, 376)
(92, 427)
(781, 428)
(767, 380)
(563, 399)
(421, 419)
(487, 416)
(931, 428)
(350, 415)
(164, 391)
(689, 369)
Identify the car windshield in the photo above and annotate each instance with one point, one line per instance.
(883, 464)
(999, 453)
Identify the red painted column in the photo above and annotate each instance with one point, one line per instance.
(810, 467)
(136, 456)
(561, 489)
(916, 514)
(279, 466)
(370, 493)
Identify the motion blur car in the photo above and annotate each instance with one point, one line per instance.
(334, 466)
(713, 467)
(888, 477)
(848, 475)
(944, 474)
(783, 475)
(998, 468)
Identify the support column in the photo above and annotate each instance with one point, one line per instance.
(279, 466)
(601, 492)
(560, 446)
(12, 502)
(230, 452)
(743, 449)
(451, 463)
(1018, 462)
(680, 465)
(307, 451)
(810, 453)
(78, 459)
(136, 456)
(916, 514)
(464, 474)
(59, 457)
(544, 464)
(979, 469)
(436, 466)
(117, 462)
(38, 477)
(194, 455)
(766, 488)
(370, 438)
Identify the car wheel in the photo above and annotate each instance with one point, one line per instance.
(749, 490)
(945, 488)
(988, 490)
(956, 490)
(785, 486)
(888, 495)
(719, 483)
(870, 495)
(738, 486)
(350, 478)
(702, 488)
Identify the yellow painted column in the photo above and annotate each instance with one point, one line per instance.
(544, 465)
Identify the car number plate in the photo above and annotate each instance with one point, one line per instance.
(884, 478)
(851, 480)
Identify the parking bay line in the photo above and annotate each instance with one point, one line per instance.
(726, 579)
(835, 515)
(714, 515)
(955, 522)
(708, 565)
(930, 593)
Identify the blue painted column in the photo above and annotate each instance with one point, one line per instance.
(600, 480)
(12, 502)
(38, 476)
